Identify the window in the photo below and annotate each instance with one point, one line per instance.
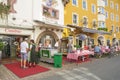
(101, 24)
(94, 23)
(106, 2)
(106, 15)
(111, 4)
(50, 12)
(46, 11)
(101, 10)
(112, 28)
(117, 29)
(116, 7)
(112, 16)
(54, 13)
(75, 18)
(93, 8)
(75, 2)
(117, 18)
(85, 21)
(84, 4)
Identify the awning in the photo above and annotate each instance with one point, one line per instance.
(73, 26)
(89, 30)
(94, 31)
(84, 29)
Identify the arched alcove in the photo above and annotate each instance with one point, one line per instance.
(47, 35)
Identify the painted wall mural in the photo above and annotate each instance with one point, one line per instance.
(11, 3)
(49, 9)
(51, 3)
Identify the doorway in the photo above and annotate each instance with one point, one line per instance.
(11, 44)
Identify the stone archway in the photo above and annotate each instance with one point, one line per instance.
(47, 33)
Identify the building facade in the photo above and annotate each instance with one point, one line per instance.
(41, 20)
(94, 19)
(113, 19)
(45, 22)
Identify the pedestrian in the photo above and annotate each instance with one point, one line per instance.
(69, 45)
(112, 51)
(24, 52)
(33, 54)
(97, 51)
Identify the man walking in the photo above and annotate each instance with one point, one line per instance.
(24, 50)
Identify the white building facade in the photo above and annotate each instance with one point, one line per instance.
(40, 20)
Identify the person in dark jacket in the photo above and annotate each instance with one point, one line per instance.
(33, 56)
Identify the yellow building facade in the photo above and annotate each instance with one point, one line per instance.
(112, 8)
(86, 16)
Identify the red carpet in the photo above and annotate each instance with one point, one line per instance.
(15, 68)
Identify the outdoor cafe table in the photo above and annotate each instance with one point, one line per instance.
(76, 55)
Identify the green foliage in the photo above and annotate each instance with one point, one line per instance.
(77, 46)
(1, 45)
(104, 29)
(4, 9)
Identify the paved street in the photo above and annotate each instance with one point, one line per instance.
(101, 69)
(97, 69)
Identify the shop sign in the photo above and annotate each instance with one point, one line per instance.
(13, 30)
